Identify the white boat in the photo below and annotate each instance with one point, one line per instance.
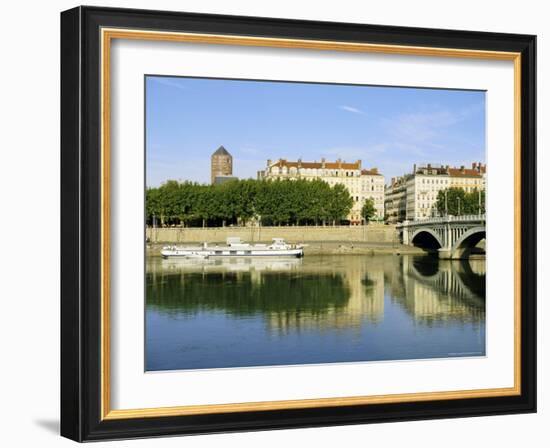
(235, 248)
(196, 254)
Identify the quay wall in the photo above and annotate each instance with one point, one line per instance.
(372, 233)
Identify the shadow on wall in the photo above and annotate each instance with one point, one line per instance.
(51, 426)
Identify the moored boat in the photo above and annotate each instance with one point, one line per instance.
(235, 248)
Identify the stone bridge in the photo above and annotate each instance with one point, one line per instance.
(453, 236)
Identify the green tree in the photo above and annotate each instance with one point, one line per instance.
(474, 202)
(275, 202)
(153, 206)
(339, 203)
(368, 210)
(456, 202)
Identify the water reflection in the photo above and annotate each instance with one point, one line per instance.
(320, 291)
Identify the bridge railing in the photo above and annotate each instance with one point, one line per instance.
(443, 219)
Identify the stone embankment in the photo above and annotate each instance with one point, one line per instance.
(320, 240)
(375, 233)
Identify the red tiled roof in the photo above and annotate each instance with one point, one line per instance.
(328, 165)
(477, 170)
(466, 172)
(371, 172)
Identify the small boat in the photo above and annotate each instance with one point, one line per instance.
(236, 248)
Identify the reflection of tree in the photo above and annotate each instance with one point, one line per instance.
(324, 293)
(292, 295)
(238, 294)
(368, 283)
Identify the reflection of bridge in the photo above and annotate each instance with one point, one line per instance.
(453, 236)
(453, 279)
(437, 290)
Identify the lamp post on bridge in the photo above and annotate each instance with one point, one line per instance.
(479, 202)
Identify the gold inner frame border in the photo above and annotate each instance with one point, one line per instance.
(107, 35)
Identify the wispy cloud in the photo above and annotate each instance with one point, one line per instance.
(169, 82)
(428, 127)
(422, 127)
(351, 109)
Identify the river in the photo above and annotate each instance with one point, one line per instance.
(320, 309)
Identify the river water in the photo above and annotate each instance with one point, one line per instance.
(319, 309)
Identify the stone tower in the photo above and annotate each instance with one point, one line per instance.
(221, 164)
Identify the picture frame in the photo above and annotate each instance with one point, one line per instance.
(86, 176)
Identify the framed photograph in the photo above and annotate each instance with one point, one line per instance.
(273, 223)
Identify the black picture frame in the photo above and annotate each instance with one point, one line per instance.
(81, 224)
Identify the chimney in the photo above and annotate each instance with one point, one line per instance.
(474, 165)
(359, 164)
(300, 162)
(323, 162)
(414, 168)
(429, 166)
(268, 163)
(461, 168)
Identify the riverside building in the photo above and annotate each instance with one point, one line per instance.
(395, 201)
(414, 196)
(362, 184)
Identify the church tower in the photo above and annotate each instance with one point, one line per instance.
(221, 164)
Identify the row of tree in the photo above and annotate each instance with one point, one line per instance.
(279, 202)
(457, 201)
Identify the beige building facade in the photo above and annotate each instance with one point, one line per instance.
(395, 201)
(414, 196)
(362, 184)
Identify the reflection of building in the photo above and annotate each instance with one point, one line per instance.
(414, 196)
(364, 305)
(362, 184)
(347, 298)
(325, 295)
(221, 166)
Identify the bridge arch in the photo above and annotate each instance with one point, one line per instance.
(426, 238)
(468, 241)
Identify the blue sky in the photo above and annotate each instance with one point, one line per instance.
(390, 128)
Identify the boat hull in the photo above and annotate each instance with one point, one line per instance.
(224, 253)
